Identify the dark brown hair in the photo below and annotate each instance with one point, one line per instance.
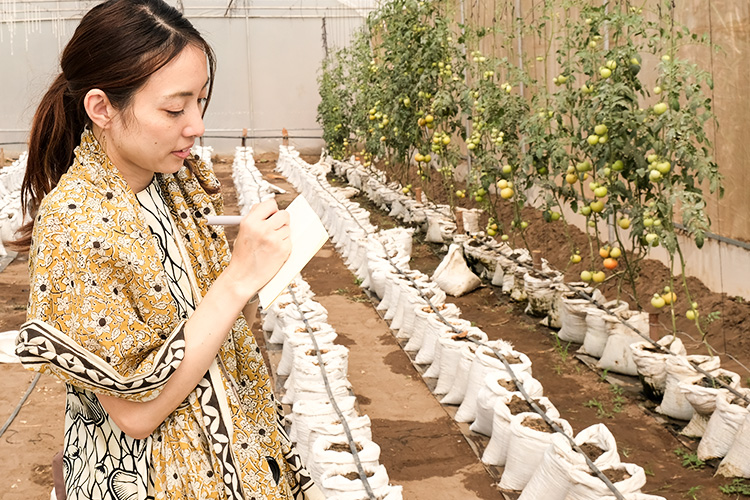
(117, 46)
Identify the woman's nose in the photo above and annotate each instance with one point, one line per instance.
(195, 127)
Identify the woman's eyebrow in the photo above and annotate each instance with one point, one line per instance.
(185, 93)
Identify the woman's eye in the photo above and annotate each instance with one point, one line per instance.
(175, 113)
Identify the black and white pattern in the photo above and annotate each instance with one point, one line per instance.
(159, 221)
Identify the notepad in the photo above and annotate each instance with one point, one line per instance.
(307, 235)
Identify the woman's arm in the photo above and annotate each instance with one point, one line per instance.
(260, 249)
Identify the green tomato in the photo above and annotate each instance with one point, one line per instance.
(618, 165)
(605, 73)
(660, 108)
(600, 192)
(657, 301)
(600, 129)
(585, 210)
(664, 167)
(583, 166)
(597, 206)
(593, 139)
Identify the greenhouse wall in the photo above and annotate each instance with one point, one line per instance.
(268, 53)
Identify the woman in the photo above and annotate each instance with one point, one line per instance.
(135, 301)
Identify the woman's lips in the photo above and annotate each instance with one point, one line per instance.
(182, 153)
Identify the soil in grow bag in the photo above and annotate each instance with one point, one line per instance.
(340, 447)
(592, 451)
(352, 476)
(614, 475)
(537, 424)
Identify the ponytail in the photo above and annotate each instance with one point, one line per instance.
(55, 132)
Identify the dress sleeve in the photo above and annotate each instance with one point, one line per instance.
(100, 313)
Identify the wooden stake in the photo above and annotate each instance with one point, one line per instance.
(244, 136)
(284, 137)
(653, 326)
(2, 157)
(418, 194)
(459, 222)
(536, 259)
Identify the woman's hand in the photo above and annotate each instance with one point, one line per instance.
(261, 248)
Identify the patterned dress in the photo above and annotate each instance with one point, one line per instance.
(113, 278)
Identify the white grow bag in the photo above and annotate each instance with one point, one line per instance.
(335, 483)
(723, 425)
(703, 399)
(499, 383)
(590, 487)
(652, 363)
(552, 479)
(496, 452)
(526, 447)
(453, 275)
(484, 362)
(328, 452)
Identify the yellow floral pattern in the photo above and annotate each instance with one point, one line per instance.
(101, 318)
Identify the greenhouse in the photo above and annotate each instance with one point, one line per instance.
(374, 250)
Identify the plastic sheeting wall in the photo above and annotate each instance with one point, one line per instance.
(269, 55)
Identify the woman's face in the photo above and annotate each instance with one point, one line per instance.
(155, 133)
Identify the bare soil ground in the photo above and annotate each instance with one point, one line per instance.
(423, 449)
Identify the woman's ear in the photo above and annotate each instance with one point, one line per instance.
(97, 106)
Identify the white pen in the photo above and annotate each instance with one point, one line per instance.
(224, 220)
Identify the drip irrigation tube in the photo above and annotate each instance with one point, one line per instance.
(20, 404)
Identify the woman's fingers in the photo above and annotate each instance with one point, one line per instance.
(262, 210)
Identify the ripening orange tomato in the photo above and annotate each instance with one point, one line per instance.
(610, 263)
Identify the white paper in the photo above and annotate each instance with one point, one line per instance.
(308, 235)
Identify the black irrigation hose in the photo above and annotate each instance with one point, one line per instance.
(329, 391)
(20, 404)
(339, 413)
(519, 386)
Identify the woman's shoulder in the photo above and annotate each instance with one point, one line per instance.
(77, 206)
